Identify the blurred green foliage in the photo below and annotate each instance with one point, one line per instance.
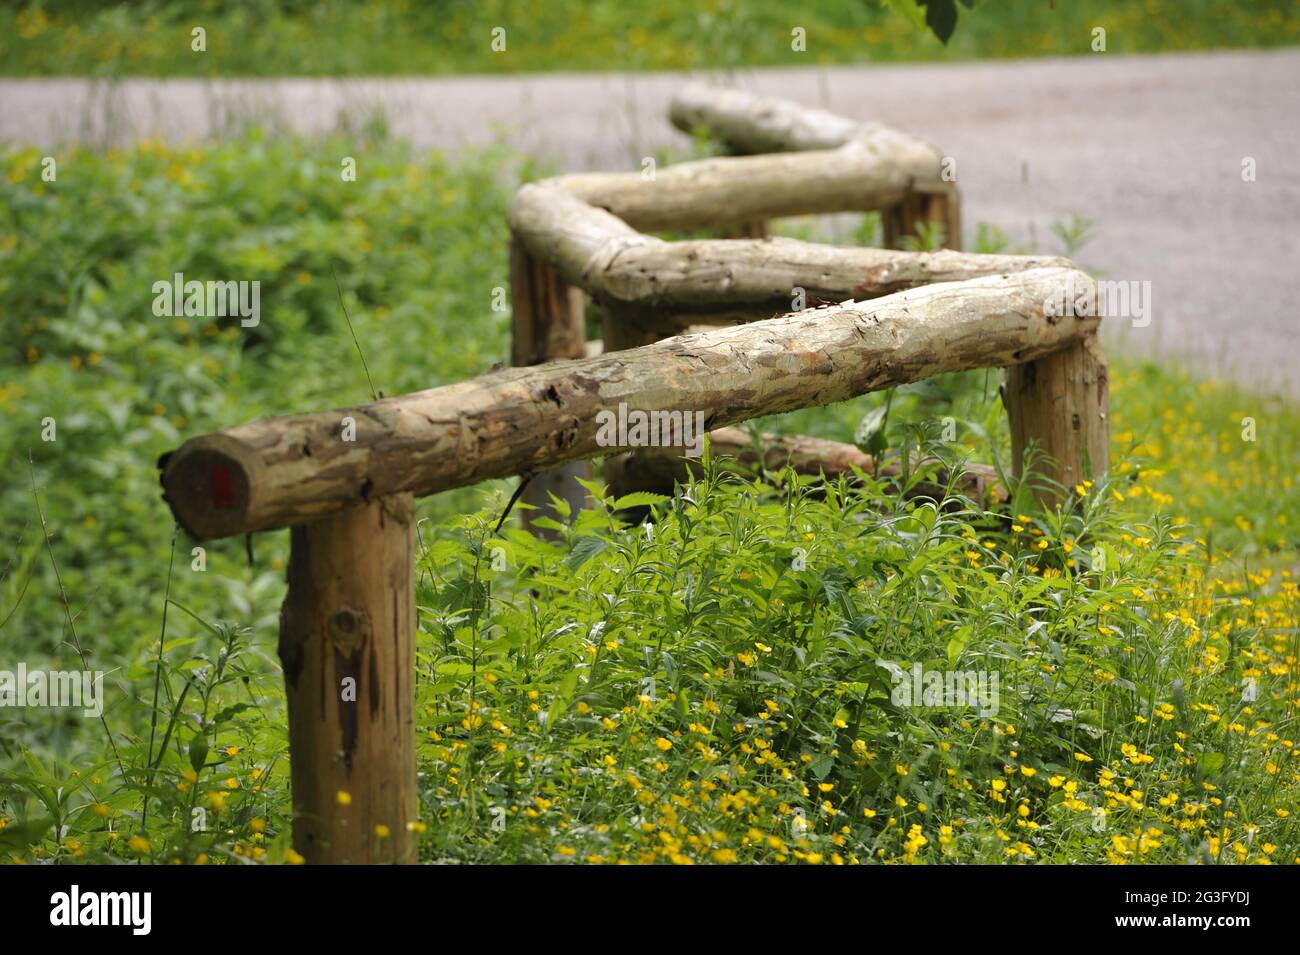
(325, 37)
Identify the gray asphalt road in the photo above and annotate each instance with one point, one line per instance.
(1149, 147)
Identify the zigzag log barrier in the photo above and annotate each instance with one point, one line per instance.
(584, 232)
(786, 160)
(344, 481)
(748, 124)
(722, 280)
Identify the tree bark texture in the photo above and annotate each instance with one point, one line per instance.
(288, 470)
(347, 646)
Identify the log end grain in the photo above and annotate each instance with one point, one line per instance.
(209, 483)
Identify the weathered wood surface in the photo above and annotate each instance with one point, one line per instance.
(546, 311)
(727, 190)
(729, 279)
(284, 471)
(1061, 403)
(904, 220)
(659, 469)
(347, 646)
(749, 123)
(547, 323)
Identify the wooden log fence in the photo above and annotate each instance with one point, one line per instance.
(792, 160)
(787, 160)
(344, 481)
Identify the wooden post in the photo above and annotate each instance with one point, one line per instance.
(347, 645)
(946, 210)
(757, 229)
(943, 209)
(631, 326)
(1061, 401)
(547, 324)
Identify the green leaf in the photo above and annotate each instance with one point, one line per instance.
(560, 506)
(1210, 764)
(563, 694)
(870, 436)
(584, 549)
(20, 835)
(594, 487)
(454, 668)
(909, 10)
(230, 712)
(957, 644)
(198, 750)
(39, 772)
(940, 17)
(639, 499)
(670, 667)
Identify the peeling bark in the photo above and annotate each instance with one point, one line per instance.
(504, 423)
(728, 280)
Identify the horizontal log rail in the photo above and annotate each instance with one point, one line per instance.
(279, 472)
(812, 162)
(723, 279)
(734, 189)
(747, 123)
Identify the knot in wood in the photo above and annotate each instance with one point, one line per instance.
(349, 629)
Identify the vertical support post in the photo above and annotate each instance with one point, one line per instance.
(758, 229)
(942, 209)
(547, 324)
(1062, 402)
(945, 209)
(622, 328)
(347, 645)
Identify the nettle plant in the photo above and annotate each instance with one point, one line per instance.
(715, 684)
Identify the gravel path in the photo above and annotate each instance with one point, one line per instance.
(1149, 147)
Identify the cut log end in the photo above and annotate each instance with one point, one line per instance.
(208, 484)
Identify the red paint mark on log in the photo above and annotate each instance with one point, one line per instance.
(223, 490)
